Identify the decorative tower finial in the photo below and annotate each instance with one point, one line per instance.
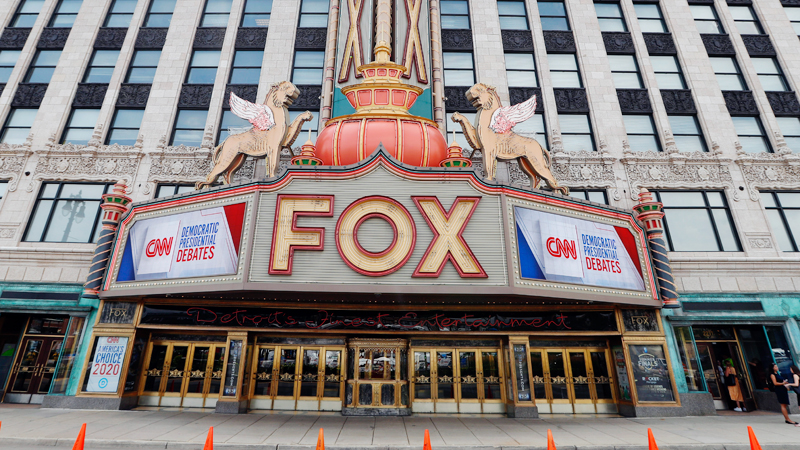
(650, 213)
(455, 157)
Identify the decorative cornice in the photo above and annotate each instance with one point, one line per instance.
(253, 38)
(13, 158)
(456, 40)
(14, 38)
(634, 101)
(618, 43)
(90, 95)
(516, 40)
(586, 168)
(195, 95)
(678, 101)
(29, 95)
(53, 38)
(151, 38)
(133, 95)
(718, 45)
(559, 42)
(209, 38)
(110, 38)
(769, 171)
(784, 103)
(571, 100)
(758, 45)
(659, 44)
(740, 103)
(311, 38)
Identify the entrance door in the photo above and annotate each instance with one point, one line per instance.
(712, 362)
(35, 366)
(182, 374)
(572, 380)
(449, 380)
(293, 377)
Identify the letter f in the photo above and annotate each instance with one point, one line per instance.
(288, 237)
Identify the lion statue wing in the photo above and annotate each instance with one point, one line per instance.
(259, 115)
(504, 118)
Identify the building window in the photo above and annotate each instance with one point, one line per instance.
(231, 124)
(125, 126)
(189, 127)
(65, 14)
(80, 126)
(610, 17)
(650, 18)
(553, 16)
(101, 67)
(729, 76)
(794, 17)
(165, 190)
(745, 19)
(455, 14)
(770, 75)
(521, 70)
(790, 128)
(706, 19)
(314, 13)
(143, 66)
(120, 14)
(27, 12)
(783, 213)
(564, 70)
(668, 72)
(459, 69)
(751, 134)
(534, 128)
(8, 59)
(308, 67)
(67, 212)
(312, 125)
(641, 132)
(698, 221)
(160, 13)
(256, 13)
(593, 195)
(454, 130)
(576, 132)
(246, 66)
(625, 71)
(216, 13)
(43, 66)
(203, 67)
(512, 15)
(18, 125)
(687, 133)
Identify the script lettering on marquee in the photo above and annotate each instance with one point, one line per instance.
(288, 237)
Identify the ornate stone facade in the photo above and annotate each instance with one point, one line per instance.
(769, 171)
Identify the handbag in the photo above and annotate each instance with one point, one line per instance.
(730, 380)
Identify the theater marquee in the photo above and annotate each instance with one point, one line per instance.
(380, 226)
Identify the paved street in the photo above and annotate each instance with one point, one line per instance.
(27, 427)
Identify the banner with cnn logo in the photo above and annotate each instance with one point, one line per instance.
(565, 249)
(191, 244)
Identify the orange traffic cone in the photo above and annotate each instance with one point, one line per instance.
(550, 444)
(651, 441)
(426, 445)
(81, 437)
(209, 439)
(320, 441)
(754, 445)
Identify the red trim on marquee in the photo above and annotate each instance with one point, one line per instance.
(234, 214)
(364, 219)
(630, 246)
(295, 215)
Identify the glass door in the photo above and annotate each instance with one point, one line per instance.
(204, 375)
(182, 374)
(572, 381)
(35, 367)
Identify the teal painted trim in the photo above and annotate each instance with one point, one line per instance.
(423, 107)
(733, 320)
(674, 356)
(341, 106)
(21, 305)
(86, 343)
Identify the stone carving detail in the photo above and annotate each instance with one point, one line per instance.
(559, 42)
(151, 37)
(759, 243)
(29, 95)
(309, 98)
(571, 100)
(790, 2)
(660, 44)
(718, 44)
(784, 103)
(758, 45)
(618, 43)
(110, 38)
(245, 91)
(255, 38)
(770, 171)
(195, 95)
(133, 95)
(181, 164)
(678, 101)
(90, 95)
(53, 38)
(456, 40)
(518, 95)
(740, 103)
(210, 38)
(7, 232)
(516, 40)
(13, 158)
(585, 168)
(634, 101)
(311, 38)
(14, 38)
(455, 100)
(675, 170)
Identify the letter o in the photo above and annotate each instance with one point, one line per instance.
(386, 261)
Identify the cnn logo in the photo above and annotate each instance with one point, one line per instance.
(562, 248)
(158, 247)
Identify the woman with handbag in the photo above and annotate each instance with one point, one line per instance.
(795, 385)
(781, 388)
(734, 391)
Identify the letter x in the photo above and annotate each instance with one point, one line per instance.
(352, 49)
(448, 242)
(413, 45)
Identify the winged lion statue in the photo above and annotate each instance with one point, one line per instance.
(492, 135)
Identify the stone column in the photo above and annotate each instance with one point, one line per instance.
(650, 213)
(114, 206)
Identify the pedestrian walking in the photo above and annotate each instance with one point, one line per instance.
(732, 382)
(781, 388)
(795, 384)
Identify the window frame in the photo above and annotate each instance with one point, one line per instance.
(110, 14)
(708, 208)
(55, 200)
(577, 71)
(700, 134)
(56, 14)
(590, 133)
(467, 15)
(794, 240)
(111, 128)
(678, 68)
(660, 18)
(548, 16)
(175, 126)
(716, 20)
(257, 66)
(206, 13)
(534, 72)
(620, 19)
(150, 13)
(176, 187)
(8, 121)
(524, 16)
(760, 125)
(793, 11)
(302, 14)
(33, 65)
(12, 66)
(787, 136)
(586, 193)
(63, 139)
(87, 72)
(738, 73)
(654, 134)
(18, 13)
(780, 75)
(191, 66)
(134, 66)
(637, 71)
(445, 69)
(245, 14)
(754, 19)
(295, 67)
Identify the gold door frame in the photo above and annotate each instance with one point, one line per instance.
(398, 346)
(570, 380)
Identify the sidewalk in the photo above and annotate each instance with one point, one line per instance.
(151, 428)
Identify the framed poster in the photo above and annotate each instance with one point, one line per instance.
(109, 354)
(622, 374)
(651, 373)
